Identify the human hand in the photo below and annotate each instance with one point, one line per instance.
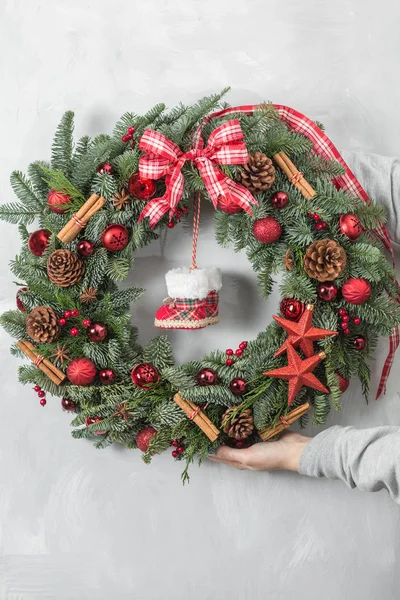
(265, 456)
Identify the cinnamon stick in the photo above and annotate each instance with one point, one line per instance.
(197, 416)
(285, 422)
(42, 363)
(79, 220)
(294, 175)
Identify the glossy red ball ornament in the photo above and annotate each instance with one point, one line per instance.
(144, 375)
(81, 371)
(85, 248)
(115, 237)
(229, 362)
(74, 331)
(91, 420)
(18, 299)
(343, 382)
(41, 394)
(267, 230)
(356, 290)
(238, 386)
(106, 376)
(105, 168)
(279, 200)
(350, 226)
(144, 436)
(68, 405)
(228, 205)
(206, 377)
(291, 308)
(97, 332)
(43, 402)
(360, 343)
(141, 188)
(327, 291)
(57, 202)
(38, 241)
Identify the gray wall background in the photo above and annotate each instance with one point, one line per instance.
(80, 524)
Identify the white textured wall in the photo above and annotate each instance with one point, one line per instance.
(80, 524)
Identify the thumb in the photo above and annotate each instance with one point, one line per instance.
(231, 454)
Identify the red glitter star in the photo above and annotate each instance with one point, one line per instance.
(299, 373)
(302, 334)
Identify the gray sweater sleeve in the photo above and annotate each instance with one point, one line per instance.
(368, 459)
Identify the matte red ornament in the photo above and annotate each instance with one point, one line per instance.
(91, 420)
(238, 386)
(141, 188)
(106, 376)
(327, 291)
(206, 377)
(68, 404)
(350, 226)
(18, 299)
(360, 343)
(227, 205)
(97, 332)
(105, 168)
(115, 237)
(81, 371)
(279, 200)
(302, 334)
(85, 248)
(291, 308)
(57, 202)
(144, 436)
(343, 382)
(356, 290)
(38, 241)
(267, 230)
(299, 373)
(144, 375)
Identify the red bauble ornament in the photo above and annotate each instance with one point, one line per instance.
(327, 291)
(107, 376)
(279, 200)
(228, 205)
(238, 386)
(105, 168)
(350, 226)
(56, 201)
(206, 377)
(343, 382)
(91, 420)
(144, 436)
(267, 230)
(18, 300)
(141, 188)
(68, 404)
(85, 248)
(356, 290)
(38, 241)
(144, 375)
(115, 237)
(81, 371)
(360, 343)
(291, 308)
(97, 332)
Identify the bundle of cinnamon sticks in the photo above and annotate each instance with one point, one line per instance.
(294, 175)
(42, 363)
(285, 422)
(81, 218)
(194, 413)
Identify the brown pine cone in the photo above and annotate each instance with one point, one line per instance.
(65, 268)
(324, 260)
(239, 427)
(258, 174)
(42, 325)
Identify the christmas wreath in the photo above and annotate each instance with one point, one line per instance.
(281, 193)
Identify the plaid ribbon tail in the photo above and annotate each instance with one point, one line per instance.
(155, 210)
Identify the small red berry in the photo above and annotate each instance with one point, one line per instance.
(229, 352)
(243, 345)
(86, 322)
(357, 321)
(62, 321)
(37, 388)
(342, 312)
(345, 318)
(180, 449)
(67, 314)
(41, 394)
(344, 325)
(171, 225)
(75, 312)
(131, 129)
(238, 352)
(43, 402)
(175, 453)
(175, 443)
(310, 214)
(229, 362)
(74, 331)
(125, 138)
(324, 224)
(316, 217)
(239, 444)
(346, 331)
(319, 226)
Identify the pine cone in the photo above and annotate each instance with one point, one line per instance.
(324, 260)
(65, 268)
(42, 325)
(239, 427)
(258, 174)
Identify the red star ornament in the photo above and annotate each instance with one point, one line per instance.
(301, 334)
(299, 373)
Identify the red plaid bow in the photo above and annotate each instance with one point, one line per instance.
(225, 147)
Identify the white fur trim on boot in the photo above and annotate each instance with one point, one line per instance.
(214, 279)
(184, 283)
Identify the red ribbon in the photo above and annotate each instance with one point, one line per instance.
(225, 147)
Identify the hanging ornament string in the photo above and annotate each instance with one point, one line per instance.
(196, 225)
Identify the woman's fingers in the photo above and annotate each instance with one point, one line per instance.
(229, 463)
(230, 456)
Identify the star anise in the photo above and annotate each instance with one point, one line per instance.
(60, 354)
(88, 295)
(288, 260)
(122, 411)
(121, 199)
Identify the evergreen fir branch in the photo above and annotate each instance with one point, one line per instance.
(322, 408)
(265, 283)
(177, 377)
(221, 228)
(81, 150)
(58, 181)
(14, 322)
(29, 374)
(105, 185)
(298, 286)
(159, 352)
(24, 191)
(62, 148)
(166, 414)
(117, 268)
(120, 300)
(35, 172)
(126, 164)
(95, 269)
(15, 213)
